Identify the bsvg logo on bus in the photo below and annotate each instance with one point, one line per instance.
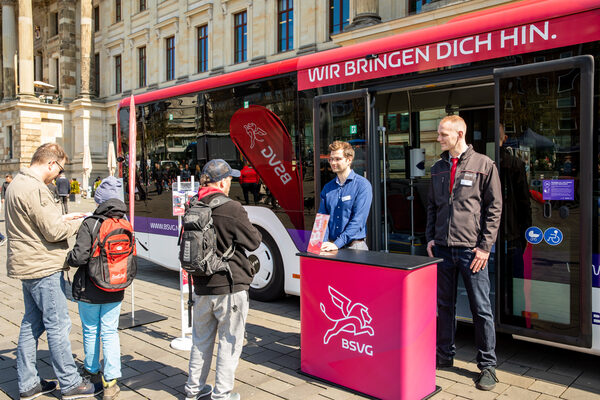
(355, 319)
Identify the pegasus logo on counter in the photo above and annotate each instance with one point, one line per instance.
(355, 320)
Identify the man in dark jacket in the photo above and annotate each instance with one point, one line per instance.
(221, 305)
(463, 216)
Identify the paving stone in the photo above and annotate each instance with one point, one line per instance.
(175, 381)
(579, 393)
(514, 379)
(302, 391)
(550, 377)
(275, 386)
(252, 377)
(590, 378)
(470, 391)
(547, 397)
(548, 388)
(515, 392)
(138, 381)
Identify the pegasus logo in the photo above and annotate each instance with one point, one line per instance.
(355, 320)
(255, 133)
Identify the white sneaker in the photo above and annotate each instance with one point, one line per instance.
(206, 390)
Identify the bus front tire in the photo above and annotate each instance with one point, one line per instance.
(269, 280)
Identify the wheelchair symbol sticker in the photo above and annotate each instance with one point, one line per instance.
(553, 236)
(534, 235)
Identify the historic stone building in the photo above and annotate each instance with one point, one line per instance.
(67, 63)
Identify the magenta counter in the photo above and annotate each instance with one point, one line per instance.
(368, 322)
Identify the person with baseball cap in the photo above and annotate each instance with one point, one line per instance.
(221, 300)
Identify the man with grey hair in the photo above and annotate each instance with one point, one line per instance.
(221, 300)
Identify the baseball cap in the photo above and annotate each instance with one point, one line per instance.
(218, 169)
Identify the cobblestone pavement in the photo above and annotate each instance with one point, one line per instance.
(271, 359)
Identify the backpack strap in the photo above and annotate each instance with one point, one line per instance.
(95, 232)
(214, 203)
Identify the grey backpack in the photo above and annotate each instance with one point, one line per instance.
(198, 240)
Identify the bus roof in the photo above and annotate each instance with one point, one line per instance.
(492, 19)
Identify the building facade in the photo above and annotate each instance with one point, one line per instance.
(74, 60)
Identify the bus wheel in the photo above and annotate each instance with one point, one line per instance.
(268, 281)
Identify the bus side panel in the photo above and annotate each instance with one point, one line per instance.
(266, 219)
(596, 320)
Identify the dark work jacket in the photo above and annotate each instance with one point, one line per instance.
(83, 288)
(470, 215)
(232, 226)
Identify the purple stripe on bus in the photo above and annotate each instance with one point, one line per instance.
(158, 226)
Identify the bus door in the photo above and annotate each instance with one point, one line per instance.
(347, 117)
(543, 115)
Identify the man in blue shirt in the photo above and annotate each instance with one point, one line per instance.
(347, 200)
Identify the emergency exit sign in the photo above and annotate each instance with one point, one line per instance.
(246, 104)
(353, 129)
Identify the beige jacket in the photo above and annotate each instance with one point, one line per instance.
(37, 235)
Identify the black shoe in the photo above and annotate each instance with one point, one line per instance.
(84, 389)
(487, 379)
(41, 388)
(444, 363)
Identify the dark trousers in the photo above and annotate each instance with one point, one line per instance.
(65, 204)
(251, 187)
(457, 260)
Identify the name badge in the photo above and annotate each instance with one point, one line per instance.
(466, 182)
(346, 198)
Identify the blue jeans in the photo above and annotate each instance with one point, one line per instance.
(101, 321)
(46, 310)
(458, 260)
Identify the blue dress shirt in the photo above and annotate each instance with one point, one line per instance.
(348, 206)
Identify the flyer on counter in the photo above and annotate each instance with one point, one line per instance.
(318, 233)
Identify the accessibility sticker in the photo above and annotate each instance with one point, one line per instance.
(553, 236)
(534, 235)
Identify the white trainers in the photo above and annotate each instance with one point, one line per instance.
(206, 390)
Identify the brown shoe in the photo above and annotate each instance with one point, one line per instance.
(111, 389)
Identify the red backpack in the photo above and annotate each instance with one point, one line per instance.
(112, 265)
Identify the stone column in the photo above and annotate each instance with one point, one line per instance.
(9, 48)
(67, 49)
(25, 49)
(86, 47)
(366, 14)
(1, 61)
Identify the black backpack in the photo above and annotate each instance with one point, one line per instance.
(198, 240)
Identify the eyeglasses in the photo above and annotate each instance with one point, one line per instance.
(60, 166)
(336, 159)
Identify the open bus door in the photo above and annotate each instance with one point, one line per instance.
(347, 117)
(543, 115)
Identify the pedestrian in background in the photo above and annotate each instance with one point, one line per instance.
(37, 245)
(99, 309)
(347, 201)
(220, 305)
(7, 181)
(463, 217)
(250, 182)
(64, 188)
